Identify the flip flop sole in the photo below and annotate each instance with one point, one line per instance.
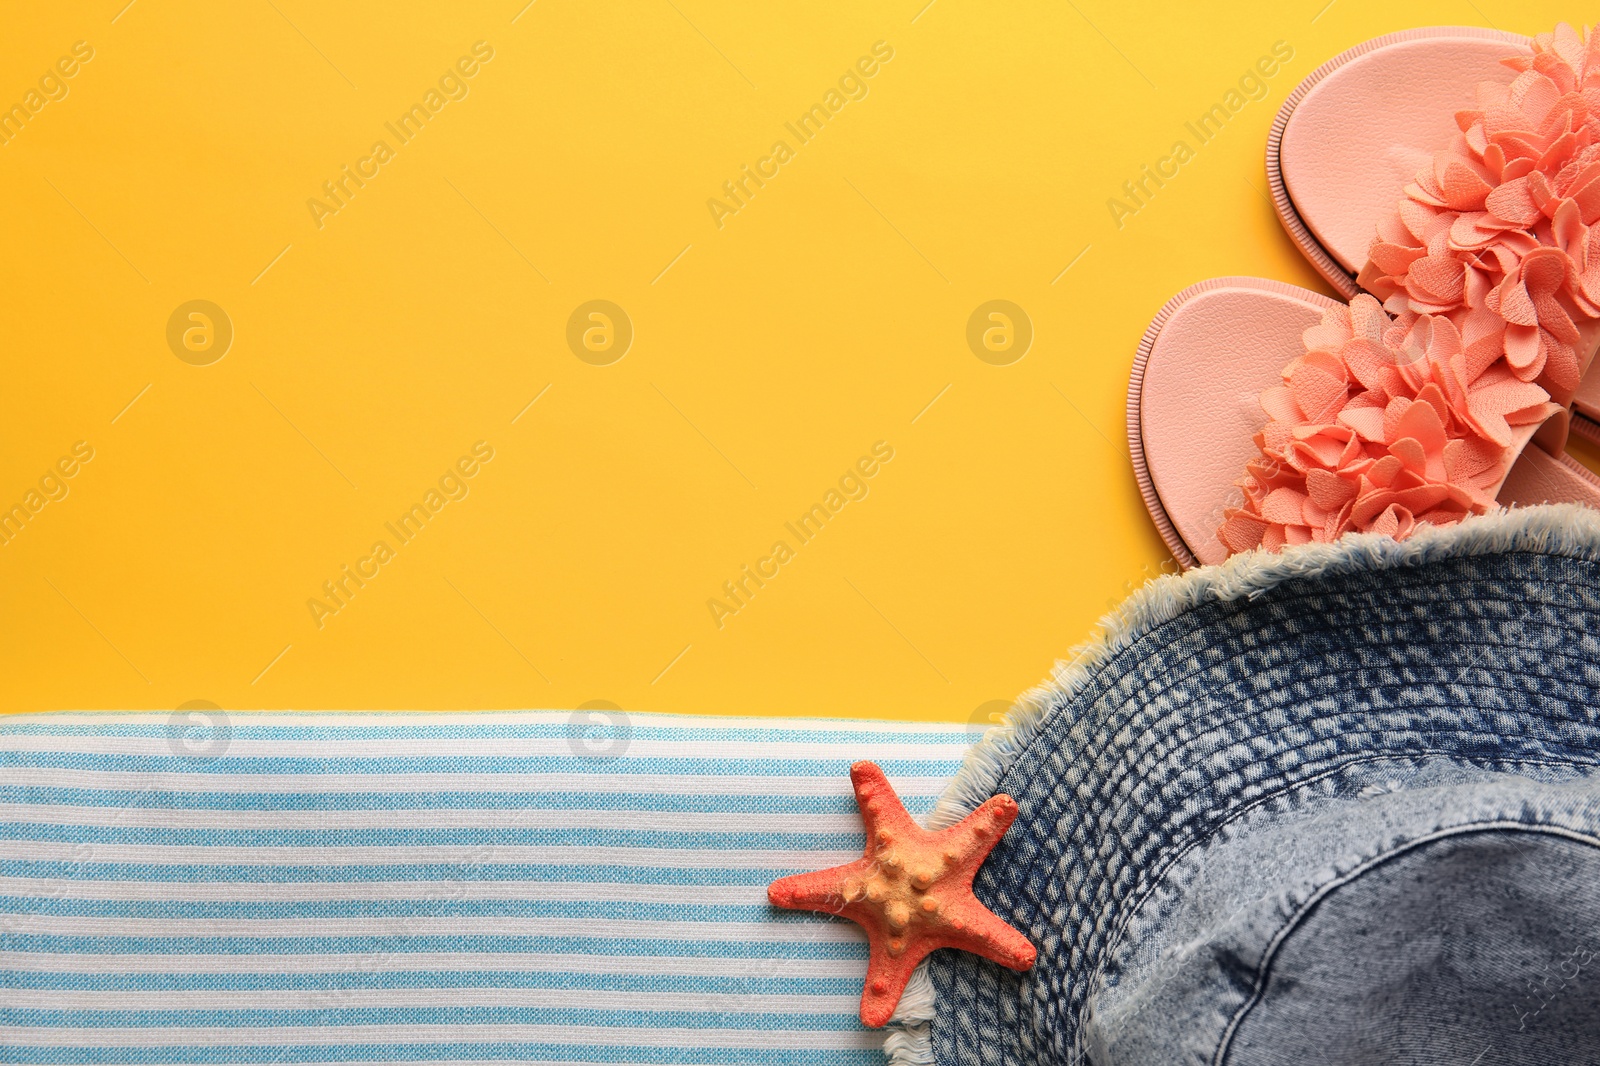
(1330, 209)
(1193, 400)
(1193, 409)
(1322, 187)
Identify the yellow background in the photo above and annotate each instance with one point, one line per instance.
(769, 354)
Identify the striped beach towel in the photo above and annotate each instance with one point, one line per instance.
(551, 887)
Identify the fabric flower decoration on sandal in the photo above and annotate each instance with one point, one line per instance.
(1501, 222)
(1383, 424)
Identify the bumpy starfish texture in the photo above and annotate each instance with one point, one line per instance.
(911, 891)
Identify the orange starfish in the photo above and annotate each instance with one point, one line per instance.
(911, 891)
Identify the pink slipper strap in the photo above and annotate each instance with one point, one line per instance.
(1499, 228)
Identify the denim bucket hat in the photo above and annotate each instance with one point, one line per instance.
(1338, 805)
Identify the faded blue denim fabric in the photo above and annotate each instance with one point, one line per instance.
(1340, 806)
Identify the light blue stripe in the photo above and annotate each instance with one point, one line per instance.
(462, 764)
(408, 945)
(954, 735)
(843, 803)
(452, 836)
(200, 910)
(110, 981)
(664, 1056)
(832, 1021)
(420, 872)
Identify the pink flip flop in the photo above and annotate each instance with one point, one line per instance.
(1376, 423)
(1457, 148)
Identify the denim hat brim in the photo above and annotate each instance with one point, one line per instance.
(1353, 698)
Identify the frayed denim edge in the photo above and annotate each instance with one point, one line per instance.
(1571, 530)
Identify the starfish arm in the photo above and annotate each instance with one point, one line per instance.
(822, 890)
(881, 809)
(887, 977)
(911, 891)
(975, 836)
(989, 935)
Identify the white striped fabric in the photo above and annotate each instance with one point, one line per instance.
(545, 887)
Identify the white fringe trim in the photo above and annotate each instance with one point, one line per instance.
(1555, 529)
(910, 1043)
